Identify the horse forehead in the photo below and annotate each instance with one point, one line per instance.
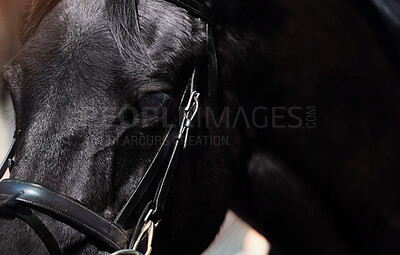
(163, 24)
(80, 18)
(88, 15)
(67, 35)
(71, 56)
(83, 13)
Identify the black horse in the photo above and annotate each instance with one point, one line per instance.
(308, 99)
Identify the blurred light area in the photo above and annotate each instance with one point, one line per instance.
(237, 238)
(255, 244)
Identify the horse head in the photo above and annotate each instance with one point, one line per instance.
(90, 87)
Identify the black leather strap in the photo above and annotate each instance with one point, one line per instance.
(212, 70)
(40, 229)
(201, 10)
(155, 208)
(165, 183)
(67, 210)
(172, 148)
(162, 155)
(160, 163)
(197, 9)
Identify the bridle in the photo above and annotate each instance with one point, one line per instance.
(17, 197)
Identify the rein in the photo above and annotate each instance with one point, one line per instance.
(17, 197)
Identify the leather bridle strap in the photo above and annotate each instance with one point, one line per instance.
(212, 70)
(154, 210)
(197, 9)
(203, 11)
(64, 209)
(164, 160)
(40, 229)
(165, 183)
(10, 210)
(162, 155)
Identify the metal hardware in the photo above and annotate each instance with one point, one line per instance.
(126, 252)
(190, 112)
(148, 229)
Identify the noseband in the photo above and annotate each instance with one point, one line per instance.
(17, 197)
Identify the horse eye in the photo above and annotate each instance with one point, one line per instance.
(152, 105)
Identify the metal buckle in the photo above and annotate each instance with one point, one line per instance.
(193, 102)
(148, 229)
(126, 251)
(190, 113)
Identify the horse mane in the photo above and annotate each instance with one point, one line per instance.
(35, 11)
